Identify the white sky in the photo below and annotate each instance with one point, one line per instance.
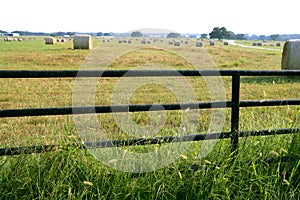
(189, 16)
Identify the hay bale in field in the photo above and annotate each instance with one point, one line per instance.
(120, 41)
(291, 55)
(278, 44)
(177, 43)
(225, 43)
(259, 44)
(144, 41)
(171, 42)
(20, 39)
(254, 44)
(82, 42)
(186, 42)
(50, 40)
(199, 44)
(129, 41)
(9, 39)
(211, 43)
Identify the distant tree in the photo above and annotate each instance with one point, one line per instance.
(231, 35)
(136, 34)
(3, 32)
(240, 37)
(99, 34)
(253, 37)
(204, 36)
(219, 33)
(192, 36)
(275, 37)
(262, 37)
(224, 33)
(215, 33)
(173, 35)
(106, 34)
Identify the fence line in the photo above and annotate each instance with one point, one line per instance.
(235, 104)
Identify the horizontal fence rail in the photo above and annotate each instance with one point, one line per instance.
(139, 73)
(235, 104)
(139, 108)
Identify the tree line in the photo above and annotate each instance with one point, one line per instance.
(223, 33)
(216, 33)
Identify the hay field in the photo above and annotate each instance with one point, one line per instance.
(75, 174)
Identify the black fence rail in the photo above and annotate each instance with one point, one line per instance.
(235, 104)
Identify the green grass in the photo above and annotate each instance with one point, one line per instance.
(73, 173)
(266, 44)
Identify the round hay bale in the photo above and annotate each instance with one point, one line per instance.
(291, 55)
(82, 42)
(254, 44)
(211, 43)
(120, 41)
(171, 42)
(278, 44)
(144, 41)
(50, 40)
(199, 44)
(129, 41)
(225, 43)
(259, 44)
(177, 43)
(186, 42)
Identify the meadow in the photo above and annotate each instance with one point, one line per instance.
(72, 173)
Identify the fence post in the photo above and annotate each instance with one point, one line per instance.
(235, 112)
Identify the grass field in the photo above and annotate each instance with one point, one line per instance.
(72, 173)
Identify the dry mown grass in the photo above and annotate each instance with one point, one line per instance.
(34, 93)
(72, 173)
